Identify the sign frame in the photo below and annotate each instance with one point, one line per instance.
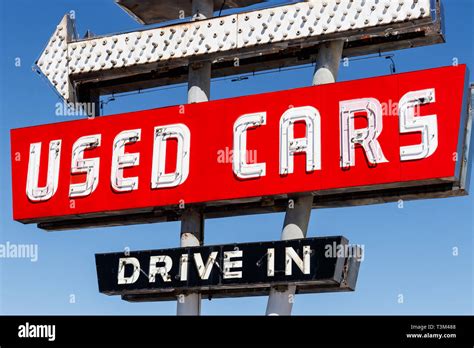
(76, 80)
(335, 273)
(444, 187)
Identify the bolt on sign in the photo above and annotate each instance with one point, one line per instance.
(367, 26)
(314, 264)
(397, 136)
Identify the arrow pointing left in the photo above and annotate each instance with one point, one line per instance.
(54, 61)
(69, 61)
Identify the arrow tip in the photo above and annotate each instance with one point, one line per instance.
(54, 61)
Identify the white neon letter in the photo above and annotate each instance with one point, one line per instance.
(121, 160)
(44, 193)
(365, 137)
(303, 264)
(205, 271)
(270, 262)
(239, 159)
(228, 264)
(162, 271)
(311, 143)
(427, 125)
(183, 267)
(160, 179)
(121, 274)
(90, 166)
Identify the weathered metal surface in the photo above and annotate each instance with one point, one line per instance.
(152, 11)
(315, 265)
(214, 185)
(257, 40)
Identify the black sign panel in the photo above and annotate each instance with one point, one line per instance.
(313, 264)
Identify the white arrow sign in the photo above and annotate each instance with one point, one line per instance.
(68, 59)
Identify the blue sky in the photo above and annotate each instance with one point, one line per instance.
(409, 251)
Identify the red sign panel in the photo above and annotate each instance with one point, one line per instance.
(351, 135)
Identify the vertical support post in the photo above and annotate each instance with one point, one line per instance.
(192, 221)
(280, 301)
(89, 101)
(192, 234)
(94, 104)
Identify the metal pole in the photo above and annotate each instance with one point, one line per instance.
(192, 234)
(192, 221)
(280, 301)
(94, 104)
